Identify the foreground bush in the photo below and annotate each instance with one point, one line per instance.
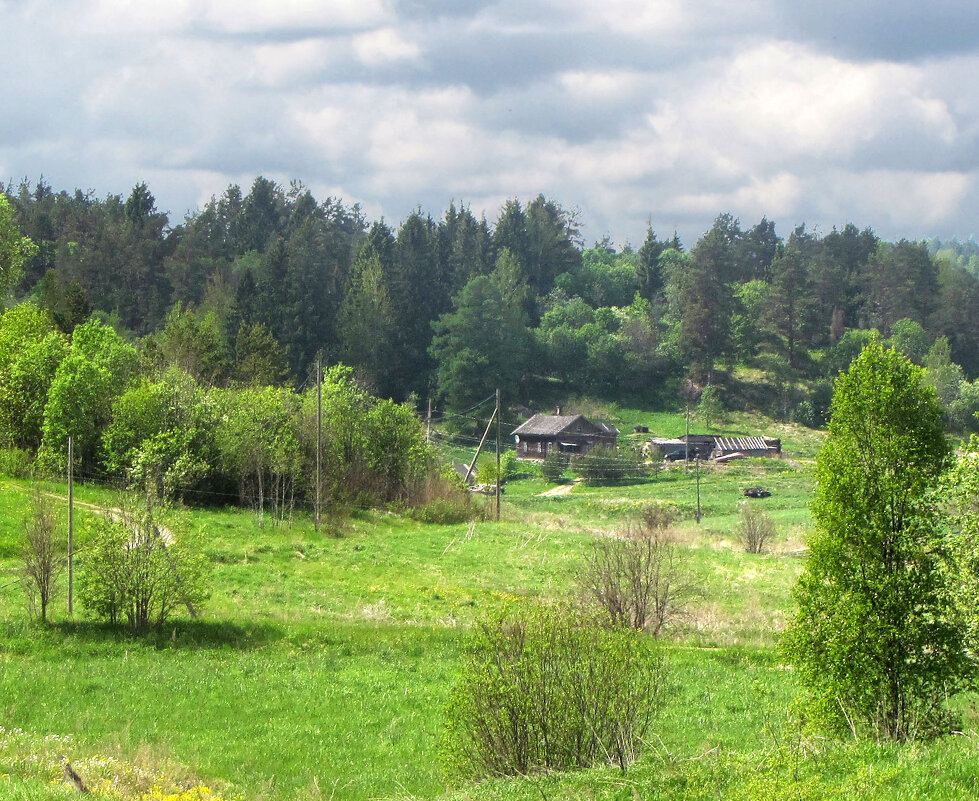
(549, 690)
(138, 572)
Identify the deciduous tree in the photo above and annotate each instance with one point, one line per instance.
(875, 639)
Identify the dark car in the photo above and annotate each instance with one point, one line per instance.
(696, 452)
(756, 492)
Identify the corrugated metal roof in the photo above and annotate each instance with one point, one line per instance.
(741, 443)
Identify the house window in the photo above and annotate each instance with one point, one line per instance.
(540, 447)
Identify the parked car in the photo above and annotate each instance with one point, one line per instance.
(696, 452)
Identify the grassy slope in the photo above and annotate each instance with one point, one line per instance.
(323, 663)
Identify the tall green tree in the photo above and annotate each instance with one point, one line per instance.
(791, 309)
(98, 368)
(700, 298)
(648, 270)
(367, 324)
(30, 351)
(875, 639)
(480, 346)
(14, 249)
(902, 281)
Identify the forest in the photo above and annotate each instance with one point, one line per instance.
(252, 289)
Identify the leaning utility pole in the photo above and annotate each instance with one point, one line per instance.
(479, 448)
(499, 478)
(319, 439)
(71, 526)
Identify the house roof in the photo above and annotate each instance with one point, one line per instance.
(741, 443)
(553, 425)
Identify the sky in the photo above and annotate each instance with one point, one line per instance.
(629, 113)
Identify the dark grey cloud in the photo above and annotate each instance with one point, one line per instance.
(898, 30)
(631, 110)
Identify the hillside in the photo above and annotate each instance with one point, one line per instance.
(322, 664)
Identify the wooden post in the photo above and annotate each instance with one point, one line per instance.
(428, 422)
(319, 440)
(698, 488)
(499, 478)
(71, 527)
(686, 449)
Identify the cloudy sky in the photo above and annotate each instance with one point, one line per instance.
(668, 111)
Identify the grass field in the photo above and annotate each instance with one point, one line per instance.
(322, 663)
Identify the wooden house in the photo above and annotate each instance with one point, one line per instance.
(543, 433)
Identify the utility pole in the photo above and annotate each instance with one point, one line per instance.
(71, 526)
(499, 478)
(686, 449)
(319, 439)
(698, 489)
(428, 422)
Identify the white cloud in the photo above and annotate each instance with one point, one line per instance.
(384, 46)
(586, 102)
(262, 16)
(910, 200)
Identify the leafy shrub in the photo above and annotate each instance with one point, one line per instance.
(548, 690)
(602, 465)
(804, 414)
(136, 572)
(440, 497)
(553, 466)
(442, 511)
(509, 465)
(15, 463)
(711, 407)
(754, 527)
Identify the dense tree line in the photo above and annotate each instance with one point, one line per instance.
(254, 286)
(164, 431)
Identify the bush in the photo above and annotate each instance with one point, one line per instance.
(443, 511)
(711, 407)
(440, 497)
(132, 572)
(754, 527)
(42, 555)
(15, 463)
(548, 690)
(640, 579)
(804, 414)
(509, 465)
(553, 467)
(602, 465)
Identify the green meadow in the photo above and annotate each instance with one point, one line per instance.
(321, 665)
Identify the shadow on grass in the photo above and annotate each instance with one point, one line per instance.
(191, 635)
